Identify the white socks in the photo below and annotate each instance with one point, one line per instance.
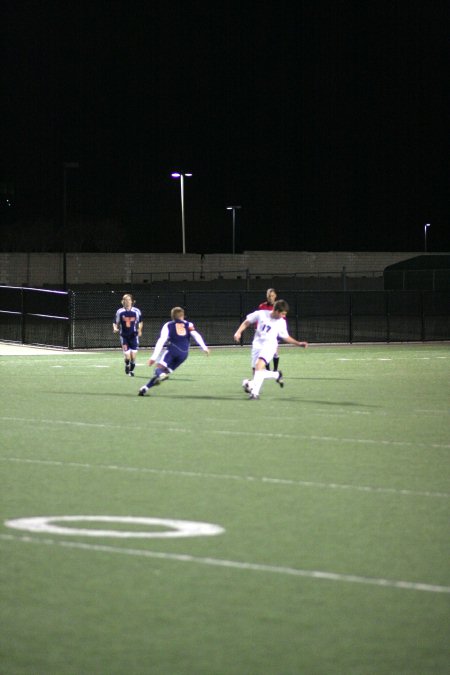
(259, 377)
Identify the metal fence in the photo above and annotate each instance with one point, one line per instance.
(83, 319)
(35, 316)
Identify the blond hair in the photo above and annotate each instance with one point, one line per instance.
(176, 313)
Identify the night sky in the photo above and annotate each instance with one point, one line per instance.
(327, 122)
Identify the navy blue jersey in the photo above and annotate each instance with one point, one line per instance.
(172, 347)
(179, 334)
(128, 321)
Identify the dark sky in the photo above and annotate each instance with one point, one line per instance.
(327, 121)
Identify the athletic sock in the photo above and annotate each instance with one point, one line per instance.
(155, 379)
(276, 360)
(258, 380)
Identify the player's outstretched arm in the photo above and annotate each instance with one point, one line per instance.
(244, 325)
(200, 341)
(163, 337)
(292, 341)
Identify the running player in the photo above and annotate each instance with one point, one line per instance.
(172, 347)
(270, 327)
(128, 323)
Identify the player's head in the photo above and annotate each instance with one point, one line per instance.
(271, 295)
(281, 307)
(127, 300)
(177, 313)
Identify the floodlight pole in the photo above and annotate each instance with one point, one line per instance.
(183, 224)
(233, 209)
(425, 236)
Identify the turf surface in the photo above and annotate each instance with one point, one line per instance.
(333, 494)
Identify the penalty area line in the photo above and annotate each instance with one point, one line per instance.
(234, 564)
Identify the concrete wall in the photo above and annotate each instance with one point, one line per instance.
(47, 269)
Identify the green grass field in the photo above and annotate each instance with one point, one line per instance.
(333, 495)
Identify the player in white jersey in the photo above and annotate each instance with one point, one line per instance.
(270, 327)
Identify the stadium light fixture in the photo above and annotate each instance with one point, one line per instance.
(181, 176)
(425, 235)
(234, 209)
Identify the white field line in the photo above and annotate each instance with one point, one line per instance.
(216, 476)
(227, 432)
(395, 357)
(234, 564)
(332, 439)
(48, 355)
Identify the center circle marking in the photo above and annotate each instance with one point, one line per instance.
(176, 528)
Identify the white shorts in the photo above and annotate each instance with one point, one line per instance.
(266, 352)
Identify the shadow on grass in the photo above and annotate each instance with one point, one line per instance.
(268, 398)
(283, 399)
(332, 379)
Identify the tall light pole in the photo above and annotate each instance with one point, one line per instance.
(425, 236)
(234, 209)
(181, 176)
(66, 165)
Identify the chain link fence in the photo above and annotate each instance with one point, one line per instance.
(83, 319)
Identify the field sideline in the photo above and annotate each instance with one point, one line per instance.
(193, 531)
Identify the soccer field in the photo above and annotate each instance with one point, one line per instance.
(330, 501)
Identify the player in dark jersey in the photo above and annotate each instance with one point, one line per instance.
(128, 323)
(172, 347)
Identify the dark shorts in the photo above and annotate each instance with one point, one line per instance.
(173, 359)
(129, 342)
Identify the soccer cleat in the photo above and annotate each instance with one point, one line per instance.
(280, 380)
(143, 391)
(131, 374)
(253, 397)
